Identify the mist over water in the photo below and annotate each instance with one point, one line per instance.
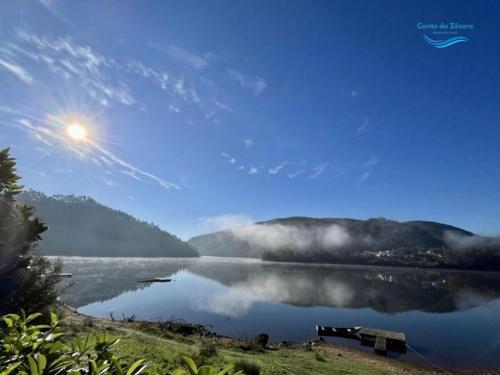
(279, 236)
(447, 315)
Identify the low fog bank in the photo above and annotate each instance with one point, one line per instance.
(461, 242)
(279, 236)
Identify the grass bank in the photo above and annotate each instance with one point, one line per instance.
(162, 346)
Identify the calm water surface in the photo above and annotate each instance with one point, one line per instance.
(451, 317)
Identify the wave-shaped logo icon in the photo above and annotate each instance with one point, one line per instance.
(447, 42)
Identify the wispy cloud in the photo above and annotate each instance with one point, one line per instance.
(253, 170)
(228, 158)
(76, 62)
(248, 142)
(364, 127)
(17, 70)
(371, 162)
(181, 55)
(367, 168)
(364, 176)
(256, 84)
(318, 170)
(278, 168)
(51, 133)
(296, 173)
(225, 221)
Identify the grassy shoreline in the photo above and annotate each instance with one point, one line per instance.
(162, 346)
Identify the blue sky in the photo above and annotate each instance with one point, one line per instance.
(205, 114)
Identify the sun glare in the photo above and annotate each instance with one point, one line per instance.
(76, 131)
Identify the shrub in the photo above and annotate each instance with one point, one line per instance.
(31, 349)
(207, 350)
(246, 367)
(319, 357)
(204, 370)
(27, 348)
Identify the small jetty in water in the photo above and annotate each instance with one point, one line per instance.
(381, 340)
(64, 274)
(156, 280)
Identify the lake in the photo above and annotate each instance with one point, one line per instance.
(451, 317)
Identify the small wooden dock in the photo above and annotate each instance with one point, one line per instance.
(64, 274)
(156, 280)
(381, 340)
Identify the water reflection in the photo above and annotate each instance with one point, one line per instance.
(100, 279)
(451, 316)
(388, 290)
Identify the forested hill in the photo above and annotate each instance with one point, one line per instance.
(81, 226)
(375, 241)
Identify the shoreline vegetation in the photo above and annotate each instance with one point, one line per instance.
(163, 344)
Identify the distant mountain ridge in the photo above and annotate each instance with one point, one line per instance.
(377, 241)
(82, 226)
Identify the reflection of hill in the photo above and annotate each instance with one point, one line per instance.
(388, 290)
(99, 279)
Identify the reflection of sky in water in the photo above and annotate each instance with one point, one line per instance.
(287, 302)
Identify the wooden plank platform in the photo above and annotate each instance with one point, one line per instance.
(381, 344)
(379, 339)
(396, 336)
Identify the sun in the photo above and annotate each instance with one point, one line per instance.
(76, 131)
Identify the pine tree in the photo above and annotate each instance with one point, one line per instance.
(27, 279)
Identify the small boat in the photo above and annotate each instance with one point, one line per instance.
(381, 340)
(64, 274)
(337, 331)
(156, 280)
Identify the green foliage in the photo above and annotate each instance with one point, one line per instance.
(8, 176)
(36, 349)
(193, 369)
(208, 350)
(29, 348)
(247, 367)
(27, 280)
(319, 357)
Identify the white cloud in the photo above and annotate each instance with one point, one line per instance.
(296, 173)
(364, 176)
(228, 158)
(253, 170)
(368, 166)
(318, 170)
(364, 127)
(248, 142)
(371, 162)
(179, 54)
(256, 84)
(17, 70)
(225, 221)
(79, 63)
(278, 168)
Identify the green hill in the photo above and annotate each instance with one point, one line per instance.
(83, 227)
